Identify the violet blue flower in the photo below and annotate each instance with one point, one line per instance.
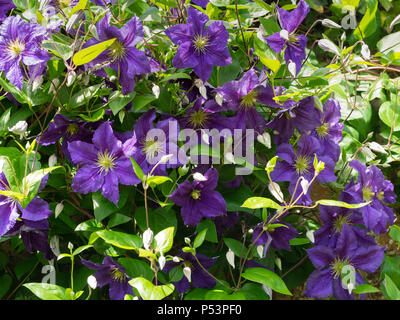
(300, 164)
(242, 96)
(122, 55)
(277, 238)
(20, 42)
(113, 274)
(151, 143)
(295, 44)
(199, 199)
(329, 263)
(302, 115)
(330, 132)
(69, 130)
(103, 164)
(372, 186)
(5, 6)
(11, 210)
(200, 48)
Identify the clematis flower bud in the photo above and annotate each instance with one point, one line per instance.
(92, 282)
(188, 273)
(161, 262)
(230, 257)
(148, 239)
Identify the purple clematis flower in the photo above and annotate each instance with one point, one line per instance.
(242, 96)
(199, 278)
(302, 115)
(372, 186)
(295, 44)
(20, 42)
(103, 164)
(329, 263)
(69, 130)
(34, 236)
(300, 164)
(334, 218)
(5, 6)
(200, 48)
(151, 143)
(113, 274)
(277, 238)
(11, 210)
(199, 199)
(330, 132)
(122, 55)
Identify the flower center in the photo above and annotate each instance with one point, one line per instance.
(337, 266)
(323, 130)
(367, 193)
(195, 194)
(117, 50)
(293, 39)
(380, 195)
(200, 43)
(302, 163)
(105, 161)
(339, 222)
(15, 47)
(151, 148)
(198, 119)
(117, 275)
(72, 129)
(249, 100)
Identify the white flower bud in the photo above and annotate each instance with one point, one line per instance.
(176, 259)
(328, 46)
(260, 251)
(284, 34)
(70, 246)
(85, 79)
(267, 290)
(92, 282)
(275, 190)
(165, 158)
(230, 257)
(187, 240)
(203, 92)
(161, 262)
(265, 139)
(156, 90)
(365, 53)
(292, 68)
(19, 128)
(310, 235)
(278, 263)
(71, 78)
(199, 177)
(55, 245)
(330, 24)
(147, 239)
(59, 208)
(121, 115)
(305, 184)
(188, 273)
(219, 98)
(52, 160)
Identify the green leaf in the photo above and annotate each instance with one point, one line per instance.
(268, 278)
(223, 295)
(90, 225)
(121, 240)
(253, 291)
(6, 282)
(141, 101)
(102, 207)
(81, 249)
(80, 6)
(118, 219)
(164, 240)
(201, 236)
(365, 288)
(298, 241)
(395, 232)
(336, 203)
(391, 289)
(211, 234)
(368, 23)
(149, 291)
(137, 268)
(260, 202)
(88, 54)
(389, 114)
(235, 246)
(157, 180)
(177, 75)
(119, 101)
(137, 169)
(47, 291)
(159, 219)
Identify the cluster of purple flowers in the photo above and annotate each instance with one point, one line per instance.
(301, 132)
